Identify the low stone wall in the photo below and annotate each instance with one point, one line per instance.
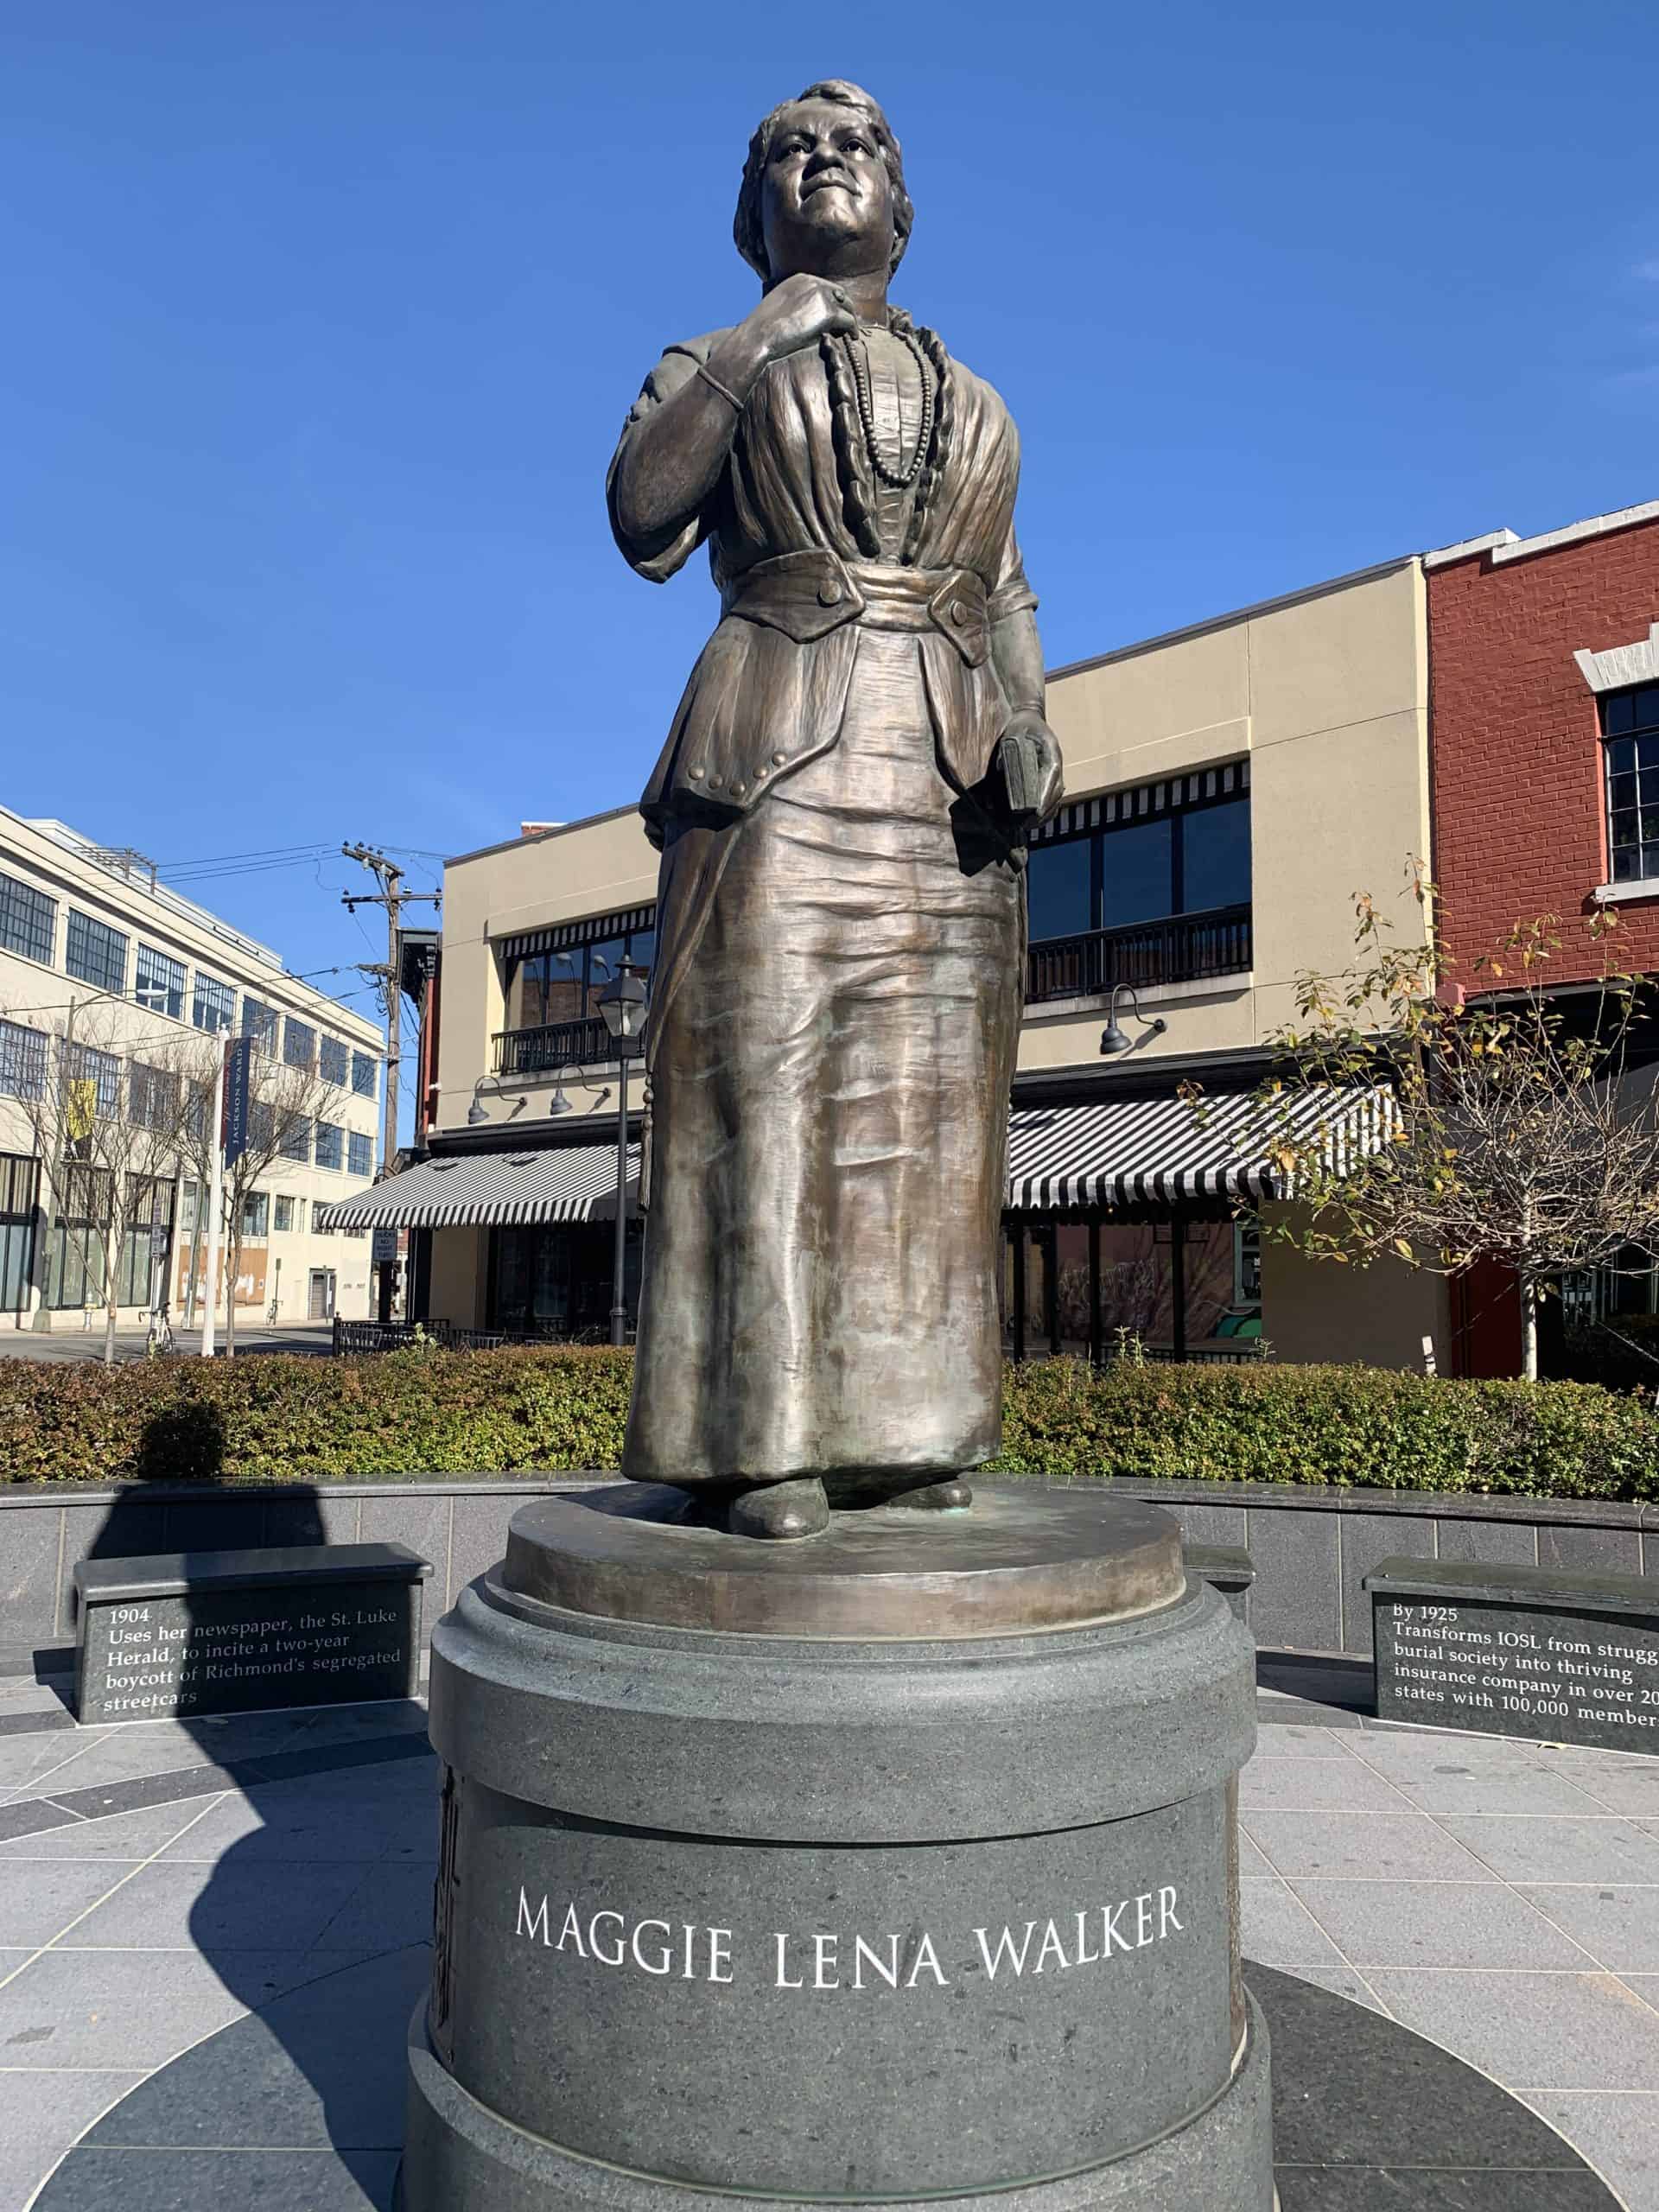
(1311, 1549)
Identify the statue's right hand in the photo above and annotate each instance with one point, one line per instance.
(795, 315)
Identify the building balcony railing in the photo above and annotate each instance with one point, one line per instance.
(1182, 948)
(545, 1051)
(555, 1044)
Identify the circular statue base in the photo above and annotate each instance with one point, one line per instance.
(898, 1864)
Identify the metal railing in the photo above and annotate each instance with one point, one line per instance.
(1181, 949)
(556, 1046)
(352, 1337)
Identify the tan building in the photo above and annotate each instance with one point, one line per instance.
(1229, 788)
(151, 977)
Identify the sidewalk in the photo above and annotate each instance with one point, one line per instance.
(163, 1880)
(71, 1342)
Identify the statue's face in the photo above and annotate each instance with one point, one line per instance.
(826, 199)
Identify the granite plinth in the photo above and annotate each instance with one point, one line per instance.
(811, 1907)
(241, 1631)
(1519, 1651)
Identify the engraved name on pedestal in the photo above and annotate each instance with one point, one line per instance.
(240, 1650)
(1572, 1677)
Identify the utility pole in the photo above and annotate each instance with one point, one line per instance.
(390, 894)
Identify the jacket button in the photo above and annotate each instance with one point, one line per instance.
(779, 760)
(958, 611)
(829, 593)
(714, 782)
(697, 771)
(737, 791)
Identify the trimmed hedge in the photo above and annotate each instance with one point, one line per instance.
(281, 1419)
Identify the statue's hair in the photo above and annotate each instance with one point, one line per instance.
(746, 224)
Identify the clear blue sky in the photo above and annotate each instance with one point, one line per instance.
(320, 321)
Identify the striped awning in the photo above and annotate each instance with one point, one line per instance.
(567, 1183)
(1155, 1151)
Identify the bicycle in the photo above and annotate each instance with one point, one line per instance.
(161, 1335)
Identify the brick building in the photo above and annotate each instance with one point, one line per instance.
(1544, 772)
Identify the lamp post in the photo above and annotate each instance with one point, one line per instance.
(622, 1006)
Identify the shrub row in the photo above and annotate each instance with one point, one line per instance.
(272, 1419)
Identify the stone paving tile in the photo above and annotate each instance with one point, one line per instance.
(1251, 1860)
(1373, 1847)
(39, 1897)
(1497, 1790)
(1559, 1850)
(1341, 1981)
(1291, 1741)
(41, 2116)
(128, 2009)
(1532, 2031)
(1619, 2135)
(122, 1836)
(1276, 1929)
(1618, 1926)
(1409, 1755)
(320, 2181)
(237, 1904)
(288, 1822)
(1438, 1924)
(27, 1763)
(391, 1905)
(1327, 1785)
(1624, 1786)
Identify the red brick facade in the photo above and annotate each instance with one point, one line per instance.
(1514, 750)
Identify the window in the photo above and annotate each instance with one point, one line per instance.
(19, 1192)
(365, 1069)
(295, 1142)
(100, 1072)
(1143, 886)
(332, 1058)
(255, 1216)
(152, 1097)
(188, 1207)
(360, 1154)
(1629, 729)
(214, 1005)
(158, 982)
(284, 1215)
(95, 954)
(28, 920)
(196, 1109)
(23, 1061)
(259, 1022)
(329, 1144)
(299, 1044)
(140, 1268)
(543, 987)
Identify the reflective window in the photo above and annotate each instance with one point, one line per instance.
(158, 982)
(1629, 723)
(95, 954)
(28, 920)
(213, 1007)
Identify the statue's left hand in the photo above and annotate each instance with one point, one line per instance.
(1033, 776)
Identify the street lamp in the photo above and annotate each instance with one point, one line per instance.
(1115, 1038)
(622, 1006)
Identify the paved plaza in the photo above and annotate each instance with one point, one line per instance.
(162, 1881)
(71, 1344)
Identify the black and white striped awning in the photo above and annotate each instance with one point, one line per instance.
(569, 1183)
(1156, 1151)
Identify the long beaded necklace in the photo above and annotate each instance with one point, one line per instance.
(899, 480)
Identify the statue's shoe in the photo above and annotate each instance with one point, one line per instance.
(951, 1496)
(780, 1510)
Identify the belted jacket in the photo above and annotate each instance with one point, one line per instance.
(769, 689)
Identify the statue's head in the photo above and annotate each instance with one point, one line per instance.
(824, 188)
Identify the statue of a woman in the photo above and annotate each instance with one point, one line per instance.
(840, 805)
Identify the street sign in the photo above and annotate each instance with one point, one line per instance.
(385, 1247)
(159, 1233)
(237, 1069)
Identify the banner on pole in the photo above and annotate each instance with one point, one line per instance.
(238, 1067)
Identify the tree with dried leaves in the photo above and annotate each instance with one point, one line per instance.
(1520, 1133)
(285, 1104)
(107, 1131)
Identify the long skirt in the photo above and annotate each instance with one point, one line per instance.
(837, 1014)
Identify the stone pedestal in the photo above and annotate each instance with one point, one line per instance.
(898, 1864)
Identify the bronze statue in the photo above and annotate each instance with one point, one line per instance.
(841, 805)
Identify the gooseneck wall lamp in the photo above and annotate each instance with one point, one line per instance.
(1115, 1038)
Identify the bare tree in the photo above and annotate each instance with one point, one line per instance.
(285, 1104)
(106, 1129)
(1515, 1134)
